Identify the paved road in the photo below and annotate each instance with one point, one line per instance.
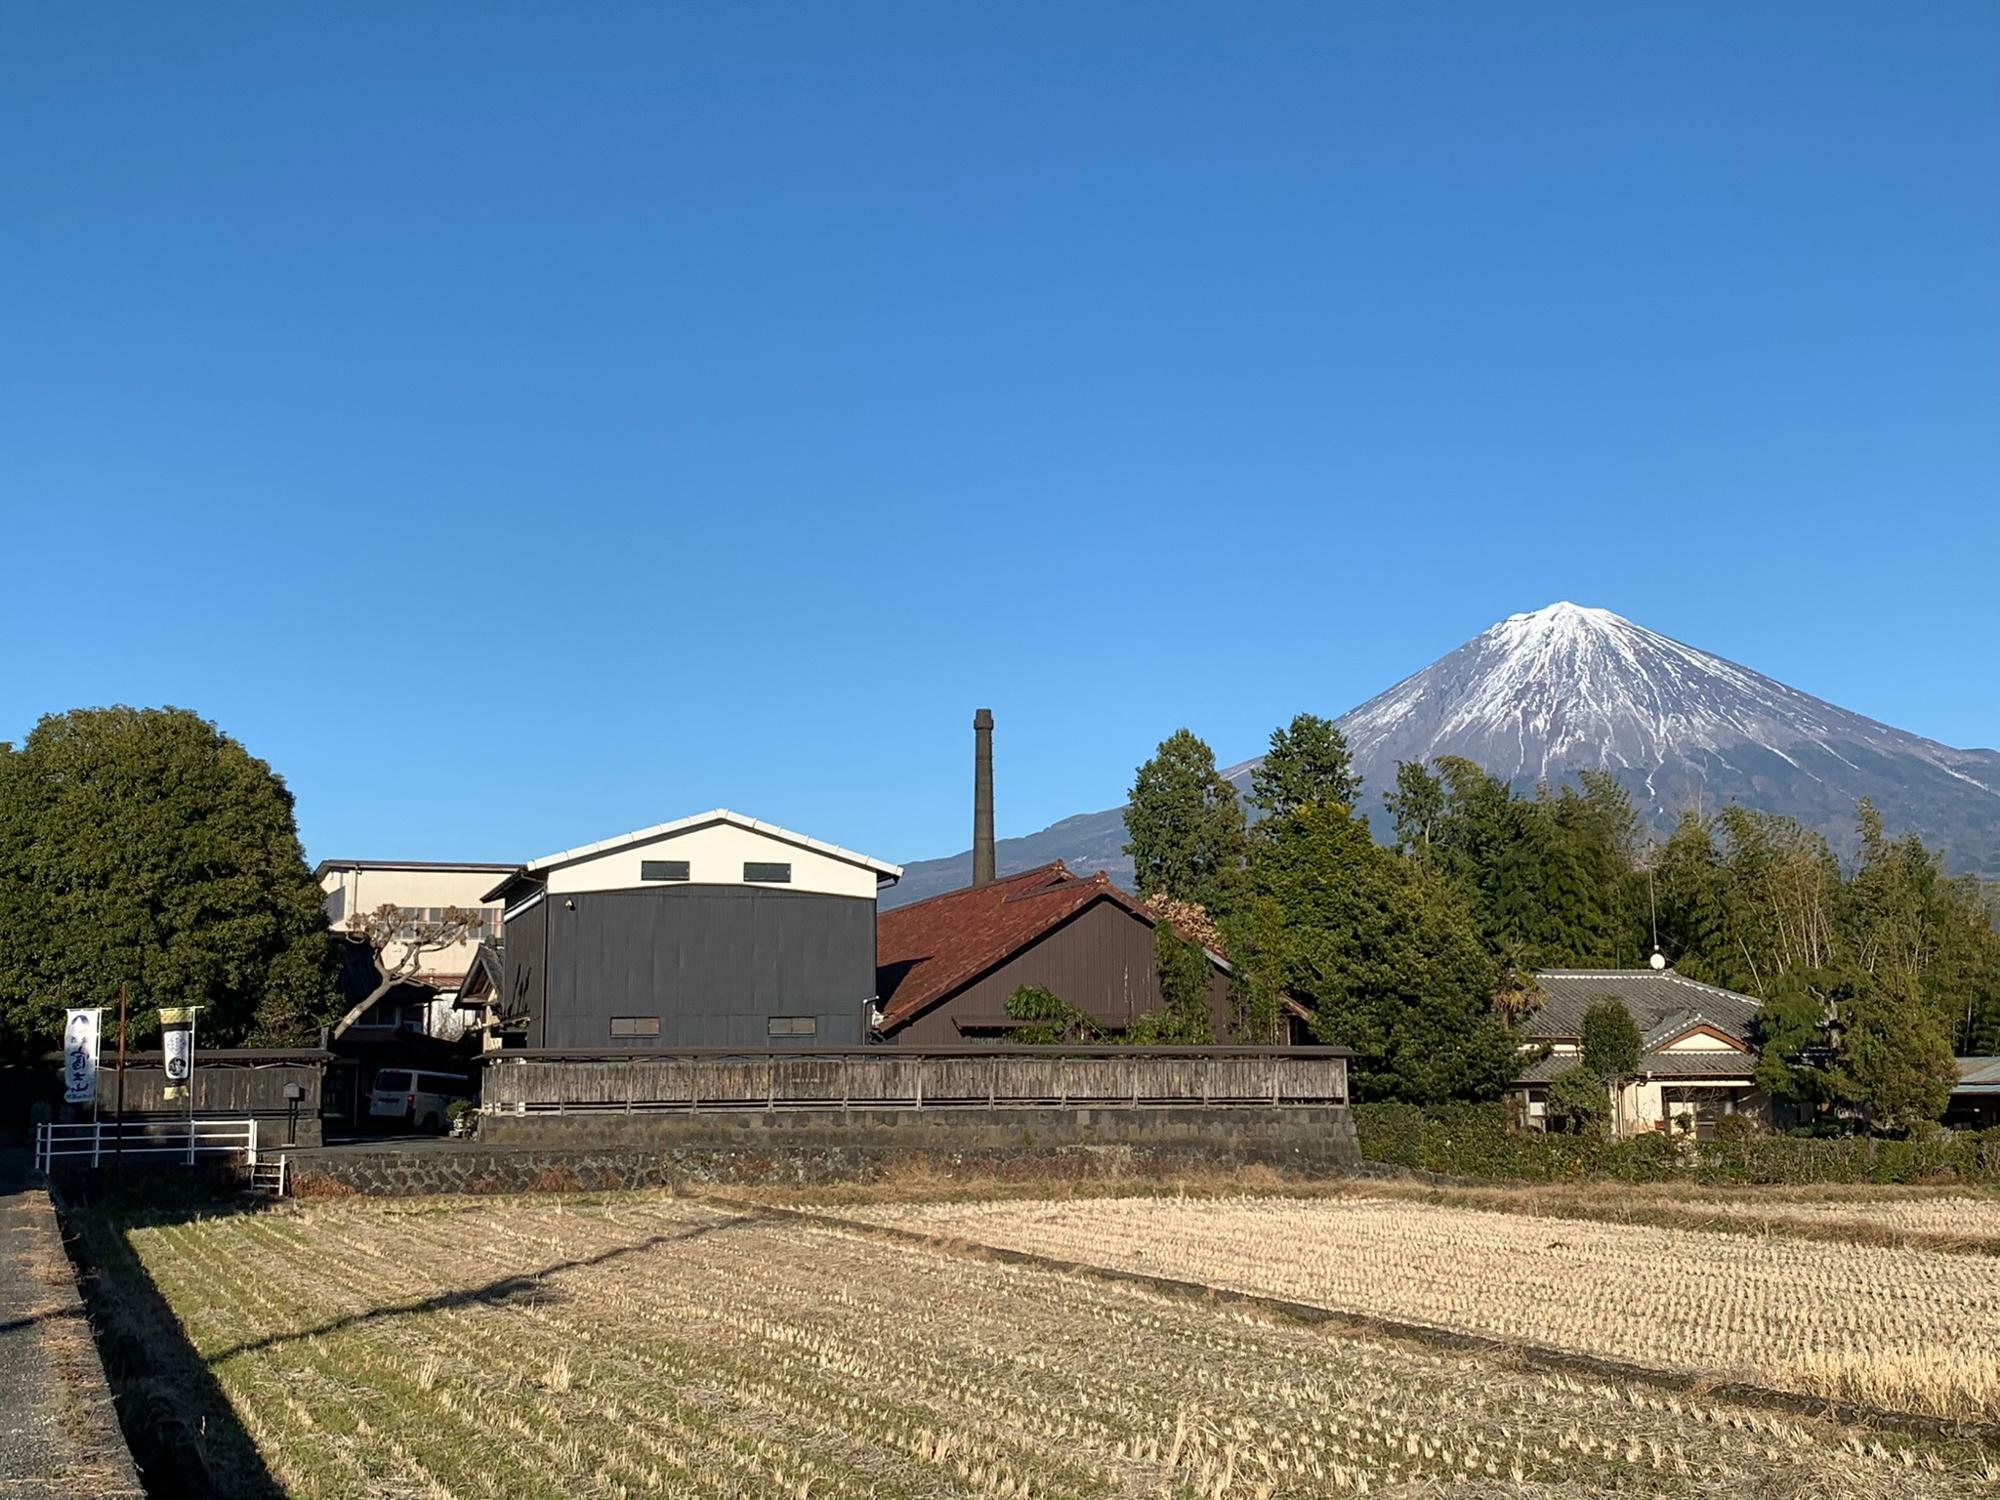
(58, 1432)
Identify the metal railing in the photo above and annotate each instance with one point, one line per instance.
(97, 1142)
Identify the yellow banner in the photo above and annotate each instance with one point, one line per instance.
(176, 1015)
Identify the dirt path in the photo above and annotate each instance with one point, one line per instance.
(58, 1432)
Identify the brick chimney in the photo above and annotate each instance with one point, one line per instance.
(982, 796)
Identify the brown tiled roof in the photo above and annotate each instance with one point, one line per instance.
(930, 949)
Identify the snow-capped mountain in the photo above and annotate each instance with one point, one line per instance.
(1566, 687)
(1542, 695)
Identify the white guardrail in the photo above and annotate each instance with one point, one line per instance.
(96, 1142)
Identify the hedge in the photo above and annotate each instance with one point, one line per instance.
(1475, 1140)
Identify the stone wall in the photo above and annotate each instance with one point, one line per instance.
(797, 1147)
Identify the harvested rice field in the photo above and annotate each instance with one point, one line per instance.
(1910, 1329)
(647, 1345)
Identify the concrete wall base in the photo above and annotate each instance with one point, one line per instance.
(555, 1153)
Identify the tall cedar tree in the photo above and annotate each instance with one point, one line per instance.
(1611, 1047)
(1308, 765)
(146, 846)
(1186, 826)
(1389, 959)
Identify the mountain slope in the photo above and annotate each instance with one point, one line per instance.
(1543, 695)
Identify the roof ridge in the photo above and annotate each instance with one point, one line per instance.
(961, 890)
(702, 820)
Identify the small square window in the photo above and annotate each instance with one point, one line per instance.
(793, 1027)
(767, 874)
(663, 869)
(635, 1025)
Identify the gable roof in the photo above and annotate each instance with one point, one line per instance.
(885, 874)
(930, 949)
(483, 978)
(1662, 1004)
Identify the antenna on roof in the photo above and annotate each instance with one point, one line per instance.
(1659, 959)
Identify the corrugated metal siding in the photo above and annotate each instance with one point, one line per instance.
(1101, 962)
(526, 979)
(714, 963)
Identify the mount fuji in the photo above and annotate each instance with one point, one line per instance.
(1541, 696)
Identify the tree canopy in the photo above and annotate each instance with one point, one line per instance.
(1186, 826)
(145, 846)
(1389, 958)
(1308, 765)
(1870, 977)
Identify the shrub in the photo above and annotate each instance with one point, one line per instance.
(1578, 1101)
(1475, 1140)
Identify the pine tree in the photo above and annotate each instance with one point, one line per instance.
(1416, 810)
(1186, 826)
(1308, 765)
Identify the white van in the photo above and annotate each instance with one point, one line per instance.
(415, 1097)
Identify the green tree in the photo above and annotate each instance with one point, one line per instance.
(1611, 1042)
(1577, 1101)
(1689, 899)
(1416, 811)
(1308, 765)
(1047, 1019)
(1186, 826)
(145, 846)
(1390, 960)
(1796, 1025)
(1895, 1059)
(1183, 1018)
(1611, 1049)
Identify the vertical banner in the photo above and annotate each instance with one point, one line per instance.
(177, 1045)
(80, 1039)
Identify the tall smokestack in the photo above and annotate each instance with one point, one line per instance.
(982, 796)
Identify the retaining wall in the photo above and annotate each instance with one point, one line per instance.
(800, 1147)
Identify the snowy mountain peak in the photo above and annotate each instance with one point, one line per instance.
(1568, 687)
(1565, 688)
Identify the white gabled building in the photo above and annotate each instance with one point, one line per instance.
(711, 931)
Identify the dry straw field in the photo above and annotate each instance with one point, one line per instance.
(644, 1345)
(1905, 1328)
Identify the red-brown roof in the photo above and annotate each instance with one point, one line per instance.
(930, 949)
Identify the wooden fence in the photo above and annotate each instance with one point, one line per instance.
(527, 1082)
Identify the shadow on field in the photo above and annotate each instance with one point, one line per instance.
(183, 1434)
(525, 1286)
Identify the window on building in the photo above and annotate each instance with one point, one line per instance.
(767, 874)
(663, 869)
(791, 1028)
(635, 1025)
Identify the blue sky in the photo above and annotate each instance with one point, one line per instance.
(522, 423)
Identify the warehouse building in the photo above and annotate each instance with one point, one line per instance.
(711, 931)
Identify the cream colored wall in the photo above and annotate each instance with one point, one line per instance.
(349, 891)
(716, 854)
(1700, 1041)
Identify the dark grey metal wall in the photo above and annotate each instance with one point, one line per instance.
(714, 963)
(524, 958)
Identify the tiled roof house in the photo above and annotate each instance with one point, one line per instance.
(945, 966)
